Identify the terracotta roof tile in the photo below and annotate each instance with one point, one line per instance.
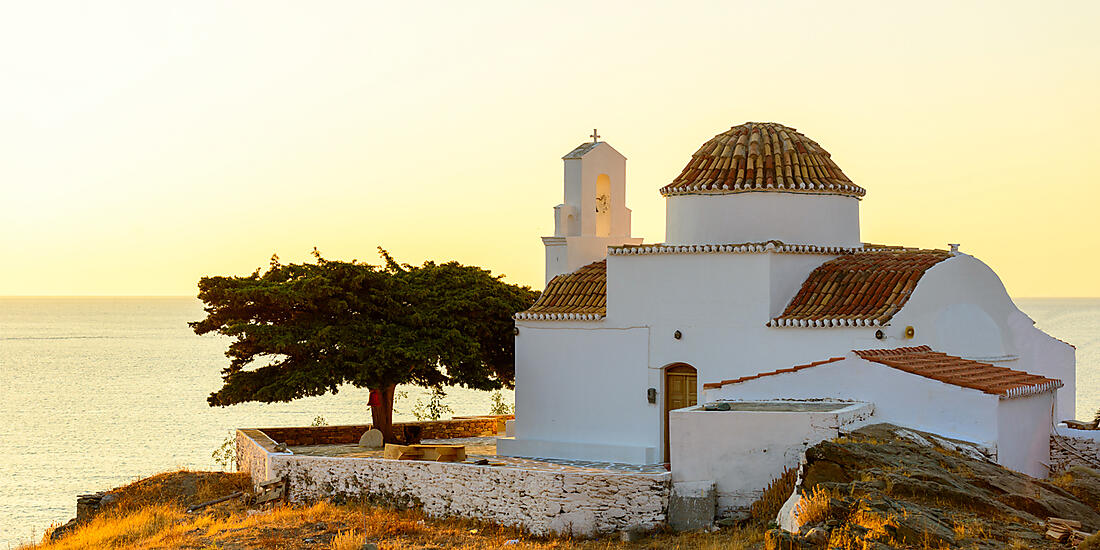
(762, 156)
(861, 289)
(966, 373)
(922, 361)
(580, 295)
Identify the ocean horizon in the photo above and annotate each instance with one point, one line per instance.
(98, 391)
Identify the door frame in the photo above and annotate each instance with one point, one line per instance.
(674, 369)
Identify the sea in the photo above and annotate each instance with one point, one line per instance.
(98, 392)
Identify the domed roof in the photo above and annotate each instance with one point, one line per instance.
(762, 156)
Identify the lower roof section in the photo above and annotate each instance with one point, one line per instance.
(949, 369)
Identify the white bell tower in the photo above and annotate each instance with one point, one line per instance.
(594, 215)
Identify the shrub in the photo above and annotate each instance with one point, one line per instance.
(499, 406)
(435, 408)
(813, 507)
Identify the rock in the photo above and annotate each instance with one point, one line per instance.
(817, 536)
(736, 519)
(369, 546)
(280, 447)
(777, 539)
(372, 439)
(900, 488)
(633, 533)
(717, 406)
(692, 505)
(578, 524)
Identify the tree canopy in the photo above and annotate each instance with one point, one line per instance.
(305, 329)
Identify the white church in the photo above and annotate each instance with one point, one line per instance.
(765, 293)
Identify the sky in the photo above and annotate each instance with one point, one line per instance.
(144, 145)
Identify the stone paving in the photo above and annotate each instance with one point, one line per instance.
(485, 448)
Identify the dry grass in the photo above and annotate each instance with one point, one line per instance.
(775, 495)
(347, 540)
(814, 506)
(164, 524)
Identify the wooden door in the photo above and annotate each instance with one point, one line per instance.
(679, 393)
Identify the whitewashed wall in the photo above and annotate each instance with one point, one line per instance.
(1023, 433)
(826, 220)
(581, 394)
(743, 451)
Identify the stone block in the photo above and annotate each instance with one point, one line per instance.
(372, 439)
(579, 524)
(692, 505)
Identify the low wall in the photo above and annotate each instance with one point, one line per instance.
(543, 501)
(744, 450)
(474, 426)
(1083, 448)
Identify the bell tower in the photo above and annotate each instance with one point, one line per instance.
(594, 215)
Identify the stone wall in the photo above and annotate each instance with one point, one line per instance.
(474, 426)
(1085, 450)
(541, 501)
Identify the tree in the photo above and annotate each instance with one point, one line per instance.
(306, 329)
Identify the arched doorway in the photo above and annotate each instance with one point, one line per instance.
(680, 392)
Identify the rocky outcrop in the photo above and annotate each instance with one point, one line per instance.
(889, 487)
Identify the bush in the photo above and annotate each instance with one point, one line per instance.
(499, 406)
(435, 408)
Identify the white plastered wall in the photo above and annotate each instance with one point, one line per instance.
(960, 307)
(1024, 425)
(825, 220)
(581, 394)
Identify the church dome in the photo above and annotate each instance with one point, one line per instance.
(762, 156)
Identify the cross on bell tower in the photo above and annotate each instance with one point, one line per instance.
(595, 137)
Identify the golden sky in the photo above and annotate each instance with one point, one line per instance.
(146, 144)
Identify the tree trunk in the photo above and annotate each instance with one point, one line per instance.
(381, 412)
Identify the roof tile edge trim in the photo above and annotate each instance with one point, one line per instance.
(700, 189)
(1023, 391)
(741, 248)
(523, 316)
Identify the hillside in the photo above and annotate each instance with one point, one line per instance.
(879, 487)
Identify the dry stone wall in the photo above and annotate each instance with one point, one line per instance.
(1067, 451)
(541, 501)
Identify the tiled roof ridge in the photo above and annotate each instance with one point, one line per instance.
(713, 385)
(865, 288)
(762, 156)
(738, 248)
(966, 373)
(577, 296)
